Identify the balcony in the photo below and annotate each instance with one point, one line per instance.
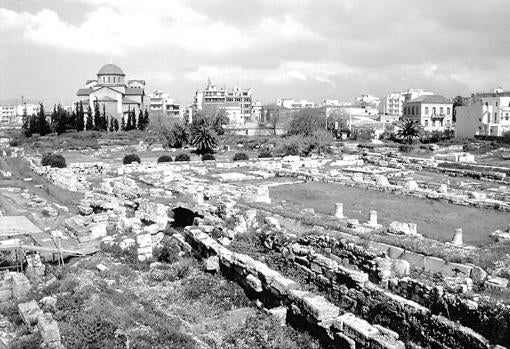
(437, 116)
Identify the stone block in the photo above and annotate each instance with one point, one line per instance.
(415, 259)
(281, 284)
(478, 275)
(400, 268)
(400, 228)
(280, 314)
(359, 330)
(29, 312)
(434, 264)
(395, 252)
(320, 308)
(212, 264)
(254, 282)
(144, 240)
(344, 342)
(457, 270)
(48, 328)
(98, 230)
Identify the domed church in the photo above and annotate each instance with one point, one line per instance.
(111, 90)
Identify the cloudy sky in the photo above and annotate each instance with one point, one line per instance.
(314, 49)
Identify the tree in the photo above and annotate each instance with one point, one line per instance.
(26, 123)
(173, 132)
(42, 126)
(97, 116)
(306, 121)
(59, 119)
(123, 123)
(203, 137)
(458, 101)
(80, 122)
(116, 124)
(111, 126)
(219, 119)
(103, 121)
(408, 131)
(141, 121)
(90, 123)
(146, 118)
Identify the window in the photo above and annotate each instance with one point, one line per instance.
(441, 110)
(496, 104)
(426, 111)
(426, 123)
(448, 111)
(108, 79)
(433, 110)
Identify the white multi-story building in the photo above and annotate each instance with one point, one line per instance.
(433, 112)
(393, 103)
(13, 113)
(290, 103)
(212, 98)
(161, 104)
(489, 116)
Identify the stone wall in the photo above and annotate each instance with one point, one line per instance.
(302, 308)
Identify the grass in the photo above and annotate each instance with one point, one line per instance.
(435, 219)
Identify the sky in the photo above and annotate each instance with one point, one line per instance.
(301, 49)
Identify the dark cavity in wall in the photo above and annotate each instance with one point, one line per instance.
(184, 217)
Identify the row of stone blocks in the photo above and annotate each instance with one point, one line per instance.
(303, 308)
(354, 292)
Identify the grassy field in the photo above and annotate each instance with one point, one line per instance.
(435, 219)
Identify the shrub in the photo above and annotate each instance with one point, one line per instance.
(165, 158)
(265, 154)
(405, 148)
(14, 143)
(240, 157)
(182, 157)
(207, 157)
(168, 252)
(130, 158)
(53, 160)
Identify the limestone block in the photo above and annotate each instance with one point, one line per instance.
(456, 269)
(281, 284)
(478, 275)
(127, 243)
(320, 308)
(144, 240)
(434, 264)
(20, 285)
(359, 330)
(29, 312)
(254, 282)
(48, 328)
(98, 230)
(496, 283)
(85, 210)
(403, 228)
(415, 259)
(411, 185)
(212, 263)
(355, 275)
(280, 314)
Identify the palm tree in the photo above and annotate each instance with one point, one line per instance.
(408, 131)
(204, 137)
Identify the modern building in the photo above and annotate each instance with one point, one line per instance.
(161, 104)
(433, 112)
(393, 103)
(293, 104)
(112, 90)
(237, 102)
(13, 112)
(488, 116)
(368, 101)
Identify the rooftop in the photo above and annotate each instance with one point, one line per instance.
(16, 225)
(436, 99)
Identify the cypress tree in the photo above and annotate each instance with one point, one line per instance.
(90, 124)
(123, 124)
(26, 123)
(141, 123)
(116, 124)
(97, 117)
(128, 123)
(146, 118)
(80, 122)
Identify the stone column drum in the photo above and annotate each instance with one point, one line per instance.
(339, 210)
(457, 237)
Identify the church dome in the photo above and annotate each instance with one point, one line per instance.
(110, 69)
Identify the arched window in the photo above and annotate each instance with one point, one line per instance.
(108, 79)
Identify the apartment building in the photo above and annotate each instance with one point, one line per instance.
(236, 101)
(161, 104)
